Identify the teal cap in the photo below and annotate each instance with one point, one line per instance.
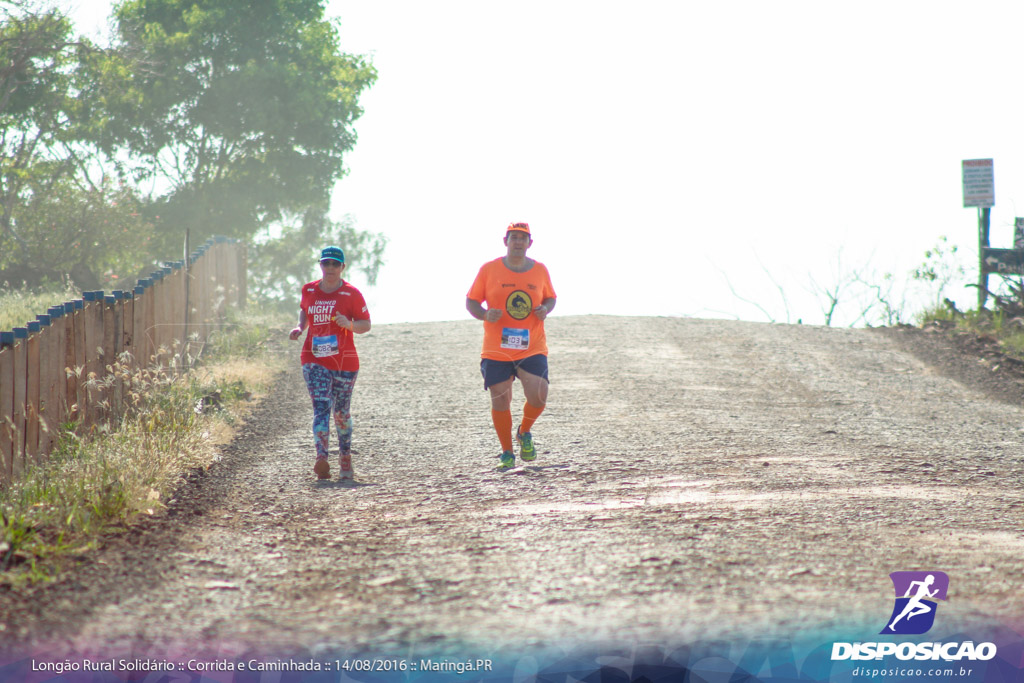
(333, 253)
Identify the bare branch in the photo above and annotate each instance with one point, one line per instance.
(736, 294)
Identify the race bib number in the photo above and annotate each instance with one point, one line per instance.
(513, 338)
(325, 346)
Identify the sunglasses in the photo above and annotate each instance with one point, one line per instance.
(330, 263)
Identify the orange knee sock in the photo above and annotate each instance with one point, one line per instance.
(503, 425)
(530, 415)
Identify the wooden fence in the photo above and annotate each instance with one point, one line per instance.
(59, 368)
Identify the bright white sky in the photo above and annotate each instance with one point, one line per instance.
(661, 149)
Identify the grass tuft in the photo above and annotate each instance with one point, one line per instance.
(994, 324)
(96, 485)
(18, 306)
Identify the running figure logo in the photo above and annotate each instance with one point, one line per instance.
(916, 593)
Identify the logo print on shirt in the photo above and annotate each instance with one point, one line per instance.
(519, 304)
(322, 312)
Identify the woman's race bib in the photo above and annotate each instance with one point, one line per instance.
(325, 346)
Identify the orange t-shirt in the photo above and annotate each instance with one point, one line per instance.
(519, 333)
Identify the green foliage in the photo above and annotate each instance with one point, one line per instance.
(19, 305)
(235, 115)
(55, 220)
(37, 56)
(243, 110)
(88, 232)
(279, 265)
(245, 334)
(36, 104)
(984, 319)
(939, 313)
(1013, 342)
(941, 267)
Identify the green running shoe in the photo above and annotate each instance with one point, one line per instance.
(526, 450)
(508, 460)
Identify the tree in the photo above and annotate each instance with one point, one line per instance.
(36, 55)
(242, 111)
(278, 268)
(85, 233)
(54, 218)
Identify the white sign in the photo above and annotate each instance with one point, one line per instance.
(979, 183)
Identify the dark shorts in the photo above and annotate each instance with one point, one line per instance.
(497, 371)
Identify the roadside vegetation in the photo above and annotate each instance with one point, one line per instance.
(1001, 320)
(1004, 324)
(171, 130)
(95, 485)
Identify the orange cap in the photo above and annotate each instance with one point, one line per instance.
(518, 227)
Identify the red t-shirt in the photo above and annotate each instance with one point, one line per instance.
(327, 343)
(519, 333)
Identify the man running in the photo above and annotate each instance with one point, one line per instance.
(518, 293)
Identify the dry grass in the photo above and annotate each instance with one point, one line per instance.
(18, 306)
(91, 486)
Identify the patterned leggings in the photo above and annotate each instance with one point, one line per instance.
(331, 391)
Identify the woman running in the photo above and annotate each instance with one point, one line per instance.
(334, 312)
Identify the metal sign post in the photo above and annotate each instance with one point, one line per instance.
(983, 229)
(979, 191)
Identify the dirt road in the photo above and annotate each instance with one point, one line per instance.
(696, 480)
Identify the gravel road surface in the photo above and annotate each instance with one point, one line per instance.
(696, 479)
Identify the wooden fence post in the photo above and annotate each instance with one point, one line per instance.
(168, 328)
(201, 284)
(6, 407)
(113, 313)
(59, 410)
(20, 373)
(70, 379)
(222, 281)
(106, 365)
(229, 264)
(144, 321)
(128, 345)
(158, 312)
(93, 356)
(34, 395)
(176, 313)
(79, 365)
(190, 308)
(242, 254)
(139, 325)
(210, 290)
(48, 424)
(119, 359)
